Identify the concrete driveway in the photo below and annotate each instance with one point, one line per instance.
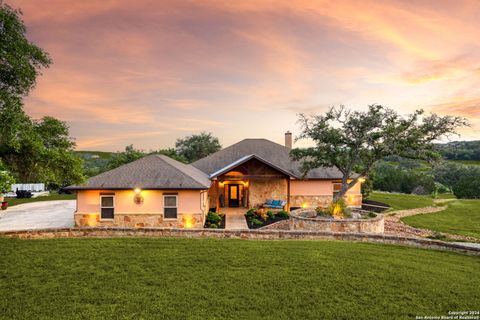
(38, 215)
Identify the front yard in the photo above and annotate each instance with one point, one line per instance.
(230, 279)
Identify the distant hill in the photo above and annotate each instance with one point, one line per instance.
(95, 162)
(467, 152)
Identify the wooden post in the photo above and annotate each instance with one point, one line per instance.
(288, 193)
(217, 186)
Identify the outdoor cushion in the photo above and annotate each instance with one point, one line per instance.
(283, 203)
(276, 202)
(269, 202)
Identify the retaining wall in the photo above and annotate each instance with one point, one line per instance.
(306, 219)
(100, 232)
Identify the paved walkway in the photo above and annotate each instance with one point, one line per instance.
(235, 218)
(38, 215)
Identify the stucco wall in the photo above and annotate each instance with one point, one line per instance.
(190, 211)
(319, 193)
(311, 187)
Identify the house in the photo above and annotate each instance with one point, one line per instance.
(157, 191)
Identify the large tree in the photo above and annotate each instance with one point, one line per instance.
(130, 154)
(38, 150)
(353, 141)
(32, 150)
(20, 59)
(197, 146)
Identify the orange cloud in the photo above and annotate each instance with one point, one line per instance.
(150, 71)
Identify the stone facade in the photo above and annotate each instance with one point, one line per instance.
(261, 190)
(140, 220)
(302, 220)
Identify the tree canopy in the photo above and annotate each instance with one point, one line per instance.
(353, 141)
(130, 154)
(197, 146)
(32, 150)
(20, 59)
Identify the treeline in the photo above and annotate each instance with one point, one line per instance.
(460, 150)
(417, 177)
(187, 150)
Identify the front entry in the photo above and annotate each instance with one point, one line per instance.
(233, 195)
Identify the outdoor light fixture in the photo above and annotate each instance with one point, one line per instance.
(138, 198)
(304, 205)
(362, 180)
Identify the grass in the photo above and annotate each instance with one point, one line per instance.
(468, 162)
(462, 217)
(402, 201)
(54, 196)
(230, 279)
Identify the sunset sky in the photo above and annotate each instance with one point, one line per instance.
(147, 72)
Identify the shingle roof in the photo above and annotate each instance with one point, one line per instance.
(267, 150)
(150, 172)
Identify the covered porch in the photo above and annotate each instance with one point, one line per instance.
(248, 183)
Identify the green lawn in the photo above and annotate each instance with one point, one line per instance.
(230, 279)
(462, 217)
(468, 162)
(54, 196)
(402, 201)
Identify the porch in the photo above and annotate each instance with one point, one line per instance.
(248, 184)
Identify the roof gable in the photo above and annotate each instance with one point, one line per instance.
(270, 152)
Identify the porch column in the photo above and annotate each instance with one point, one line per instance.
(288, 193)
(217, 187)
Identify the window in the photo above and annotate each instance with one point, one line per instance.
(107, 204)
(337, 187)
(170, 206)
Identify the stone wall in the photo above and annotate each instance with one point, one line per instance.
(263, 189)
(238, 234)
(140, 220)
(302, 220)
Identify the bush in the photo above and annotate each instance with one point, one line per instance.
(282, 214)
(339, 209)
(388, 177)
(256, 222)
(366, 188)
(371, 214)
(251, 213)
(270, 214)
(467, 188)
(213, 220)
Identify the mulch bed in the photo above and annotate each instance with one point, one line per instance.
(265, 223)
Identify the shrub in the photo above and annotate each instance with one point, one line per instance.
(282, 214)
(467, 188)
(338, 209)
(213, 220)
(371, 214)
(251, 213)
(367, 188)
(256, 222)
(270, 214)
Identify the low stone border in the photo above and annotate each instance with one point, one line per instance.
(104, 232)
(306, 219)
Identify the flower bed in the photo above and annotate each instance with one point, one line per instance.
(260, 217)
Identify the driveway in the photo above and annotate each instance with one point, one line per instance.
(38, 215)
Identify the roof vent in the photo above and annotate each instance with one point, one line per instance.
(288, 140)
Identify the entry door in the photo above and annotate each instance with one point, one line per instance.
(233, 195)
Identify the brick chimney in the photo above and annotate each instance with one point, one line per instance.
(288, 140)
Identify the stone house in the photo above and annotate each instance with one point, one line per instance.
(157, 191)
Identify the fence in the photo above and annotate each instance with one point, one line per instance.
(33, 187)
